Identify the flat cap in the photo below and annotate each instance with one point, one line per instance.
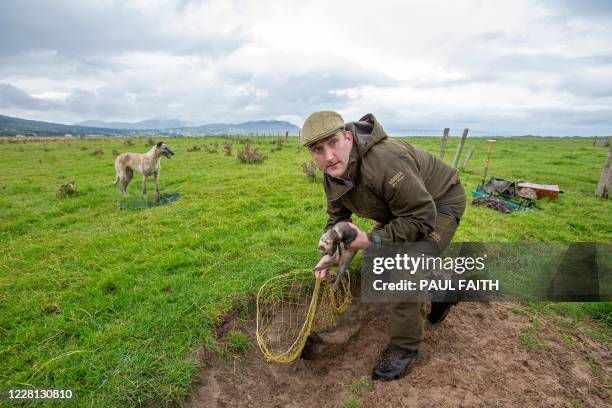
(320, 125)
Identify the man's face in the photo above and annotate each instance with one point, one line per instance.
(332, 154)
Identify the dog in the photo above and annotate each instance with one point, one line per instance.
(146, 164)
(334, 249)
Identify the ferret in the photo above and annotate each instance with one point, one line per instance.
(334, 249)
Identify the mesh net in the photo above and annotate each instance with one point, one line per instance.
(291, 306)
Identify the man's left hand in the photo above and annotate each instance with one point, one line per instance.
(361, 241)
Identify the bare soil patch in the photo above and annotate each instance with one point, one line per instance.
(475, 358)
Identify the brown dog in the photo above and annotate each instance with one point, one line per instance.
(145, 164)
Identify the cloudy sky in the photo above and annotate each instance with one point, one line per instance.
(509, 67)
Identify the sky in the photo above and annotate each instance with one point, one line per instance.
(504, 67)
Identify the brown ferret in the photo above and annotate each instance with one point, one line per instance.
(334, 249)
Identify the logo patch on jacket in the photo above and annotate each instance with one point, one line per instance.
(396, 179)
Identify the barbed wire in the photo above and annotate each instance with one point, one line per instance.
(439, 132)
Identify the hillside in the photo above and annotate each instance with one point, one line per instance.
(10, 126)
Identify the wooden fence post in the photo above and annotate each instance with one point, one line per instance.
(490, 143)
(443, 143)
(595, 141)
(459, 148)
(605, 181)
(467, 158)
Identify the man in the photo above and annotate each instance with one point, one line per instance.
(412, 195)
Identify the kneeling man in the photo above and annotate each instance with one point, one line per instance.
(413, 196)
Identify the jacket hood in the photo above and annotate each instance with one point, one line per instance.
(366, 132)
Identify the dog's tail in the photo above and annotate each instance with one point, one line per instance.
(116, 175)
(116, 171)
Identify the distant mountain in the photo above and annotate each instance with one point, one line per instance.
(10, 126)
(260, 127)
(142, 125)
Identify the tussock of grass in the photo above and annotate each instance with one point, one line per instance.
(353, 403)
(238, 342)
(359, 385)
(531, 335)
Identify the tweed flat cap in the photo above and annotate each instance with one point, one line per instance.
(320, 125)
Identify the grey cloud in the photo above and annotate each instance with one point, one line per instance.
(78, 102)
(316, 87)
(473, 78)
(576, 117)
(13, 97)
(520, 62)
(300, 94)
(78, 29)
(543, 72)
(85, 102)
(559, 122)
(489, 36)
(138, 99)
(587, 8)
(518, 121)
(585, 86)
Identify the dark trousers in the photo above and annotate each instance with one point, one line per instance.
(407, 323)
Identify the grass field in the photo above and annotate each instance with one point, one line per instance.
(114, 304)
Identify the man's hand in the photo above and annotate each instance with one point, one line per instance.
(322, 274)
(361, 241)
(322, 269)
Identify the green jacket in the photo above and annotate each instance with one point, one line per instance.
(389, 181)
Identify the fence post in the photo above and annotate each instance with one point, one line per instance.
(443, 143)
(490, 143)
(467, 158)
(595, 141)
(459, 148)
(605, 181)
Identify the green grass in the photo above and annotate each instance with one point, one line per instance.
(359, 385)
(111, 303)
(238, 342)
(531, 335)
(569, 316)
(353, 403)
(355, 393)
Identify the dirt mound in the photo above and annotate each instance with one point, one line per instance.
(475, 358)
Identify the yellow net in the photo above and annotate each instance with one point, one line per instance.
(291, 306)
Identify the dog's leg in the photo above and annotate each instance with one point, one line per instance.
(144, 186)
(125, 180)
(156, 174)
(123, 186)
